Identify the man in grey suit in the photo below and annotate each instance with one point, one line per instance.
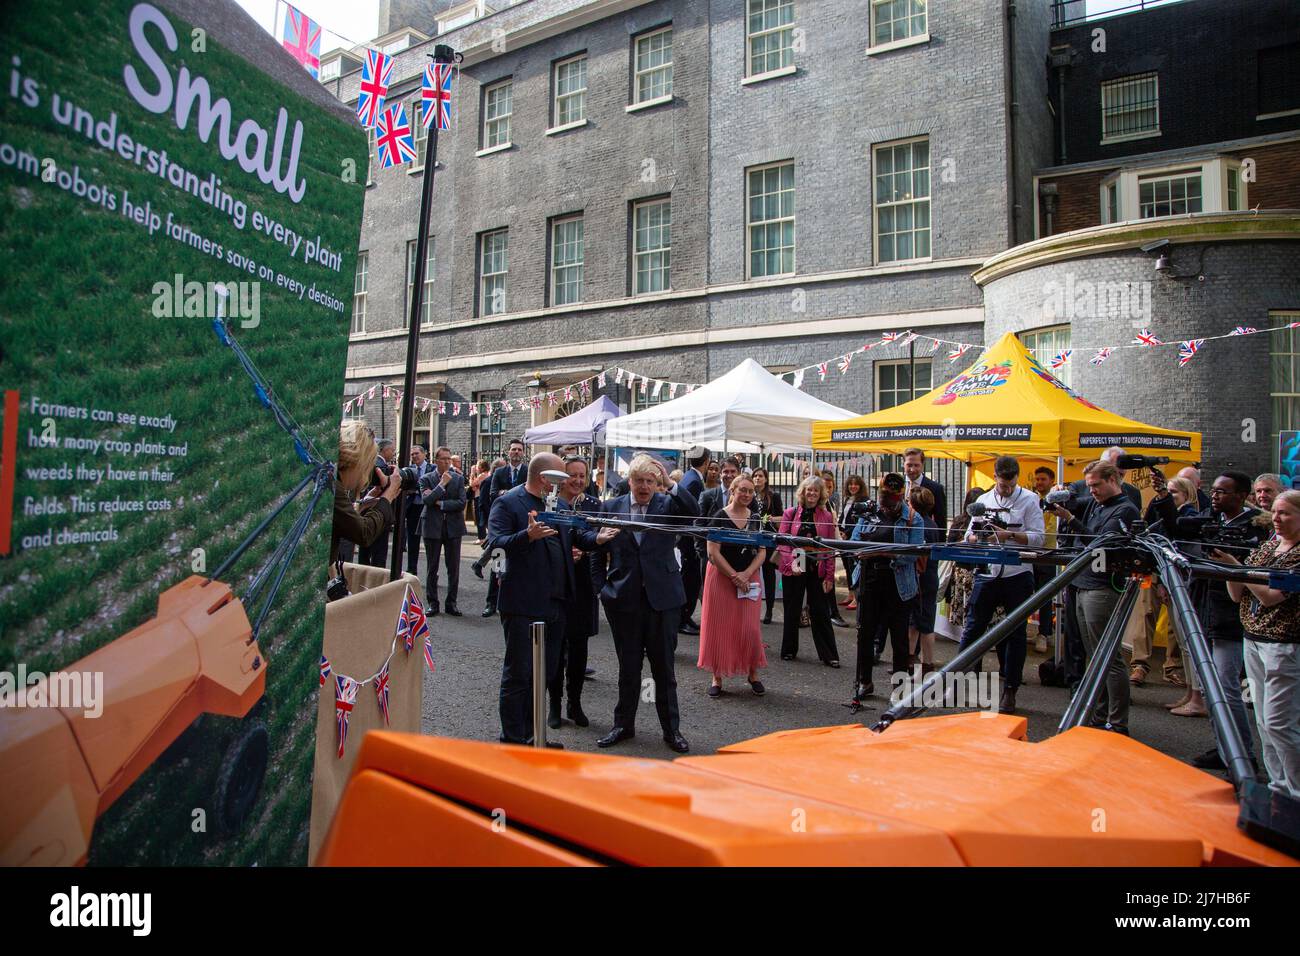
(442, 526)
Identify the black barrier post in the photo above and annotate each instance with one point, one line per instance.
(1085, 698)
(445, 55)
(910, 706)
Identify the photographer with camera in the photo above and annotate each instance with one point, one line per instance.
(364, 522)
(887, 585)
(1228, 526)
(1096, 593)
(1005, 515)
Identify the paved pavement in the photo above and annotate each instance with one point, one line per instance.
(460, 699)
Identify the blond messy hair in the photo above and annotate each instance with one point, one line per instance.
(357, 453)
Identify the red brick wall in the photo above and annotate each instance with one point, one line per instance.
(1277, 176)
(1078, 202)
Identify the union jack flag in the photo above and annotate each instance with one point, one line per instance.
(381, 691)
(1101, 356)
(506, 405)
(844, 362)
(644, 382)
(888, 337)
(1061, 359)
(1147, 338)
(376, 73)
(302, 40)
(1244, 330)
(958, 352)
(907, 339)
(1188, 349)
(934, 345)
(428, 652)
(412, 622)
(455, 408)
(436, 90)
(442, 408)
(324, 669)
(395, 137)
(821, 370)
(600, 380)
(345, 698)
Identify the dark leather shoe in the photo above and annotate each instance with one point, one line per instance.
(615, 736)
(1007, 705)
(688, 628)
(478, 570)
(431, 609)
(488, 611)
(1210, 760)
(553, 718)
(677, 743)
(454, 611)
(577, 716)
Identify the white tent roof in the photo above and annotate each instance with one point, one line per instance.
(747, 408)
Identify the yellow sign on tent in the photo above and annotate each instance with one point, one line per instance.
(1006, 403)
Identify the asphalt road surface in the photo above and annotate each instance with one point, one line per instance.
(460, 699)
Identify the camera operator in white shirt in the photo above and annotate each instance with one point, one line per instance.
(1004, 585)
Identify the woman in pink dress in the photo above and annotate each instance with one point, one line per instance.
(731, 639)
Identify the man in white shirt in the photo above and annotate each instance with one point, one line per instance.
(1005, 585)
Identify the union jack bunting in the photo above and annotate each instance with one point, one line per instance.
(487, 409)
(672, 389)
(455, 408)
(324, 669)
(302, 40)
(1147, 338)
(1187, 350)
(844, 362)
(507, 405)
(907, 339)
(381, 691)
(395, 137)
(798, 378)
(376, 73)
(958, 352)
(536, 401)
(554, 399)
(1061, 359)
(644, 382)
(1293, 325)
(442, 408)
(600, 379)
(1244, 330)
(428, 652)
(934, 345)
(568, 394)
(436, 90)
(345, 698)
(1101, 356)
(821, 370)
(585, 386)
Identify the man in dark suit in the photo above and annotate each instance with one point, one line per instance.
(697, 460)
(536, 582)
(377, 554)
(914, 471)
(442, 527)
(643, 594)
(414, 505)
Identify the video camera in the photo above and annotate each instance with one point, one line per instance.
(1207, 529)
(984, 519)
(868, 508)
(1059, 496)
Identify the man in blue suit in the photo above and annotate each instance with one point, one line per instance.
(536, 581)
(510, 475)
(442, 526)
(697, 460)
(643, 596)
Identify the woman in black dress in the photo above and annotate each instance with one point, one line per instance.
(581, 613)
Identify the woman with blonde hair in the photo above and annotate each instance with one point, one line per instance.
(731, 640)
(365, 521)
(808, 517)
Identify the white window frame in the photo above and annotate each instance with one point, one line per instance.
(360, 288)
(577, 266)
(914, 392)
(1214, 174)
(559, 102)
(426, 309)
(486, 297)
(750, 224)
(500, 118)
(1047, 342)
(786, 50)
(1117, 83)
(489, 429)
(914, 202)
(1182, 174)
(649, 253)
(906, 40)
(638, 73)
(421, 134)
(372, 155)
(1284, 342)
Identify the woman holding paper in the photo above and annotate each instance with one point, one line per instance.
(731, 640)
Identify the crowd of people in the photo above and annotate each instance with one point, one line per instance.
(650, 583)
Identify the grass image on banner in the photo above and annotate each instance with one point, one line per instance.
(80, 330)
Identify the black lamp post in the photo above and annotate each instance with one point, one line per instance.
(441, 54)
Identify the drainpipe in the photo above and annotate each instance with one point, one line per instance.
(1061, 58)
(1013, 108)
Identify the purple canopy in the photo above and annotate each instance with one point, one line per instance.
(584, 427)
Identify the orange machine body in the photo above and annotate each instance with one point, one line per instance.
(958, 790)
(64, 768)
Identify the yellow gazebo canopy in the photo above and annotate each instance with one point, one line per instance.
(1006, 403)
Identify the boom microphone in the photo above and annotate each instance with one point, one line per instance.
(1129, 462)
(1060, 496)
